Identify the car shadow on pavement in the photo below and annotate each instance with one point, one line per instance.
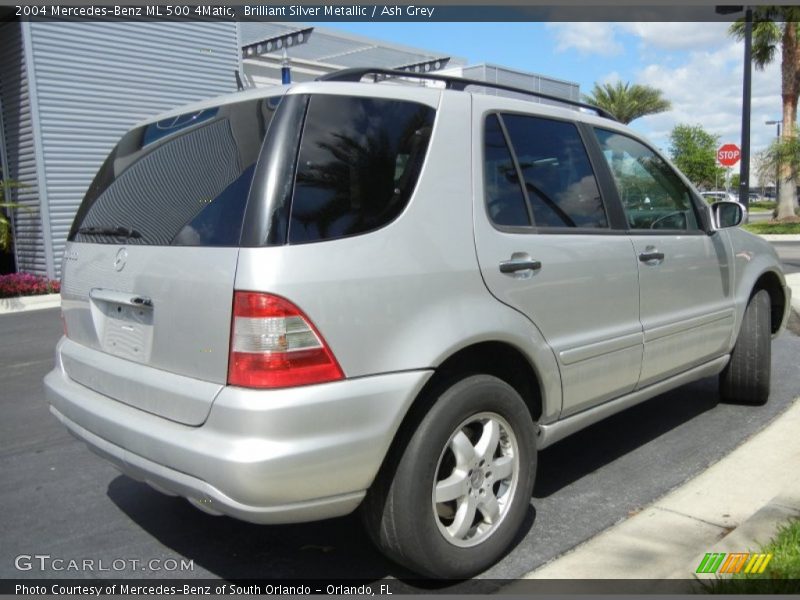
(324, 551)
(586, 451)
(340, 549)
(232, 549)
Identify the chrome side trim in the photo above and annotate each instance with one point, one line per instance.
(602, 348)
(661, 331)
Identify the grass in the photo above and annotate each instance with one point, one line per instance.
(782, 575)
(780, 227)
(761, 206)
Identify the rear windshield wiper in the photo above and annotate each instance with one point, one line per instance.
(117, 231)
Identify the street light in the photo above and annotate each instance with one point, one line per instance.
(777, 163)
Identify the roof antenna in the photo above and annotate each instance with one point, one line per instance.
(239, 85)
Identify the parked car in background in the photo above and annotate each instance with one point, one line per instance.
(719, 195)
(290, 303)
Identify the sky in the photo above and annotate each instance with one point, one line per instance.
(698, 66)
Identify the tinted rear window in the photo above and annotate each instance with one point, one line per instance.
(180, 181)
(358, 164)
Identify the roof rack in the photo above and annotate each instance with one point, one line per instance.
(455, 83)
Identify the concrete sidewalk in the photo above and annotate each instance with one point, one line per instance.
(734, 506)
(749, 493)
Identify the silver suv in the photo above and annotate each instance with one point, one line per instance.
(290, 303)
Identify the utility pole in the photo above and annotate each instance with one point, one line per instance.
(744, 168)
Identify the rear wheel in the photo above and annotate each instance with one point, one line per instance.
(746, 378)
(460, 489)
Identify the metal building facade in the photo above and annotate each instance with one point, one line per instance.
(70, 90)
(520, 79)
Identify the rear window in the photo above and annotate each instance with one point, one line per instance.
(179, 181)
(358, 164)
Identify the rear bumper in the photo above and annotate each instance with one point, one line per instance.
(280, 456)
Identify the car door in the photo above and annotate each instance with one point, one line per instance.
(546, 247)
(686, 304)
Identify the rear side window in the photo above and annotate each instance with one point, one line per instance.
(504, 197)
(358, 164)
(556, 173)
(179, 181)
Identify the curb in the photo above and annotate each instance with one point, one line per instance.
(27, 303)
(780, 237)
(793, 281)
(719, 506)
(753, 534)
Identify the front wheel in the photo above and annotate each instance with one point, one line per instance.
(461, 487)
(746, 378)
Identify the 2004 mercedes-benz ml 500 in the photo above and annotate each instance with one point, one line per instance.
(290, 303)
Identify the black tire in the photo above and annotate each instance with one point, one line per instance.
(746, 378)
(400, 512)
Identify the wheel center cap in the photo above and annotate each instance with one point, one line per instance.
(476, 479)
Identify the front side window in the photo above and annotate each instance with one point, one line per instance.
(358, 165)
(652, 194)
(556, 173)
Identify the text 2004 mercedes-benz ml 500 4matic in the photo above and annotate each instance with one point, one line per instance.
(290, 303)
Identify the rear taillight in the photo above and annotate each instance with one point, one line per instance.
(274, 345)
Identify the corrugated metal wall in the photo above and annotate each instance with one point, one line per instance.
(93, 81)
(19, 145)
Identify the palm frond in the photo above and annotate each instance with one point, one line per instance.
(628, 101)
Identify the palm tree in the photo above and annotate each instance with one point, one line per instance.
(776, 28)
(628, 102)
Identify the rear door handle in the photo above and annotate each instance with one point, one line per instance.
(651, 257)
(520, 264)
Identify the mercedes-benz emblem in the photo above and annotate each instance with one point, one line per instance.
(121, 259)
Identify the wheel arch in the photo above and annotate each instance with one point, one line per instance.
(500, 359)
(771, 282)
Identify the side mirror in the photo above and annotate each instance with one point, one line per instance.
(727, 214)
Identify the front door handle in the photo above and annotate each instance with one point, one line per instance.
(520, 264)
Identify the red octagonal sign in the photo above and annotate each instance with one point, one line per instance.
(728, 155)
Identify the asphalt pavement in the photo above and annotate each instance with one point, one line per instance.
(61, 500)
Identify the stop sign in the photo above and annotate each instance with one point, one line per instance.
(728, 155)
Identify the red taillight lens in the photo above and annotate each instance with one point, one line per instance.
(274, 345)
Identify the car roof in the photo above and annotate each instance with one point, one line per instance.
(387, 89)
